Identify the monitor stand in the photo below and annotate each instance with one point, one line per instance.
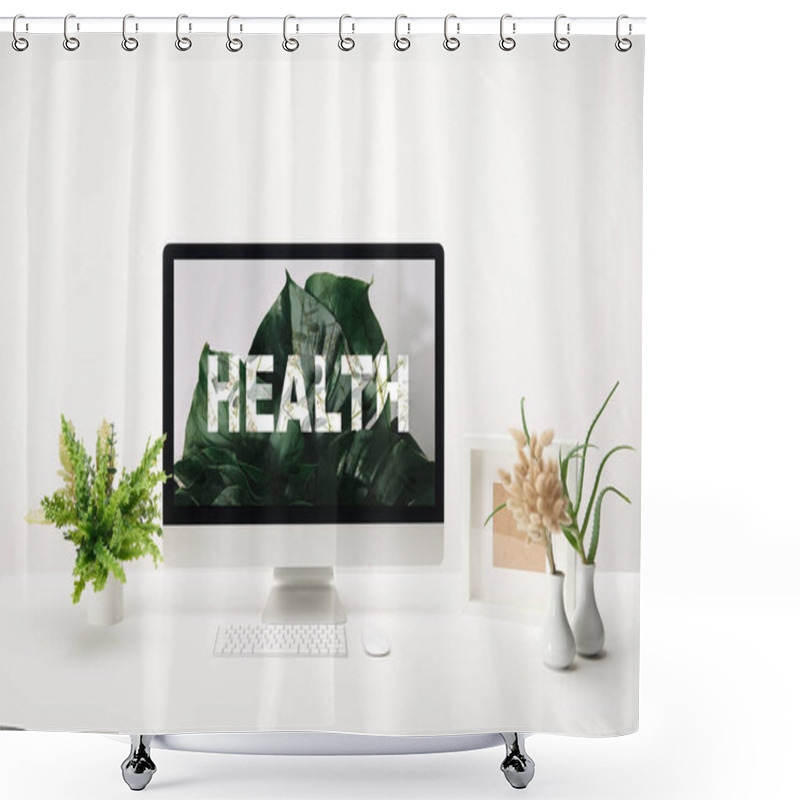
(303, 595)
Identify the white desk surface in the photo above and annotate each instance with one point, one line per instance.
(449, 670)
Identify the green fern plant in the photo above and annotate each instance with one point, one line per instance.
(107, 526)
(577, 528)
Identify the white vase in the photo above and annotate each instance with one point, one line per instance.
(558, 643)
(586, 622)
(105, 607)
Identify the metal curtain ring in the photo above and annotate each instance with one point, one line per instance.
(19, 43)
(561, 43)
(506, 42)
(233, 44)
(70, 42)
(290, 44)
(451, 42)
(346, 43)
(129, 43)
(183, 43)
(623, 44)
(401, 42)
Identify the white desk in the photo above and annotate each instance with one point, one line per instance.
(448, 671)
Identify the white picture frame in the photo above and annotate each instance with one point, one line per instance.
(513, 594)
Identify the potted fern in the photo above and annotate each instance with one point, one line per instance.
(587, 624)
(107, 525)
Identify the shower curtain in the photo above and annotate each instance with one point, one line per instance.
(334, 279)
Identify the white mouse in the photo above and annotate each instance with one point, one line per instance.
(375, 640)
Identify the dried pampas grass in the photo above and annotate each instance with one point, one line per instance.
(536, 497)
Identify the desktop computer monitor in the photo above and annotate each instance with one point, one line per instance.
(303, 390)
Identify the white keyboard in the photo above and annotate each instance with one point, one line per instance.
(262, 639)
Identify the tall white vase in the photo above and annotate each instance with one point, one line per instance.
(557, 640)
(587, 625)
(106, 607)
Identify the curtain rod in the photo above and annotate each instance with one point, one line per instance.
(325, 25)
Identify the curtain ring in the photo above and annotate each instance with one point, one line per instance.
(401, 43)
(233, 44)
(623, 44)
(290, 44)
(506, 42)
(70, 42)
(129, 43)
(451, 42)
(561, 43)
(19, 43)
(183, 43)
(346, 43)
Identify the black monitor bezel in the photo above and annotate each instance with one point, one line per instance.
(298, 515)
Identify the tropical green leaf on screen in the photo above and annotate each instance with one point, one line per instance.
(331, 317)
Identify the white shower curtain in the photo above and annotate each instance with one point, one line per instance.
(525, 169)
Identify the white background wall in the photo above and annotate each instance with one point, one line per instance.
(720, 705)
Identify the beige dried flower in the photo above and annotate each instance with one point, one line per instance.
(67, 471)
(536, 496)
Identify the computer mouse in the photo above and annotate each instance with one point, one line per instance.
(375, 640)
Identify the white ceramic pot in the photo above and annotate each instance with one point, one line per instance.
(558, 643)
(104, 608)
(587, 625)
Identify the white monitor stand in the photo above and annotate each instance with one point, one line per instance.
(303, 595)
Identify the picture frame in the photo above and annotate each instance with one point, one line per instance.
(501, 580)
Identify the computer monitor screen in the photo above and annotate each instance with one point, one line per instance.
(303, 383)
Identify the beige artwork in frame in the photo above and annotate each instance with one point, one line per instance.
(505, 575)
